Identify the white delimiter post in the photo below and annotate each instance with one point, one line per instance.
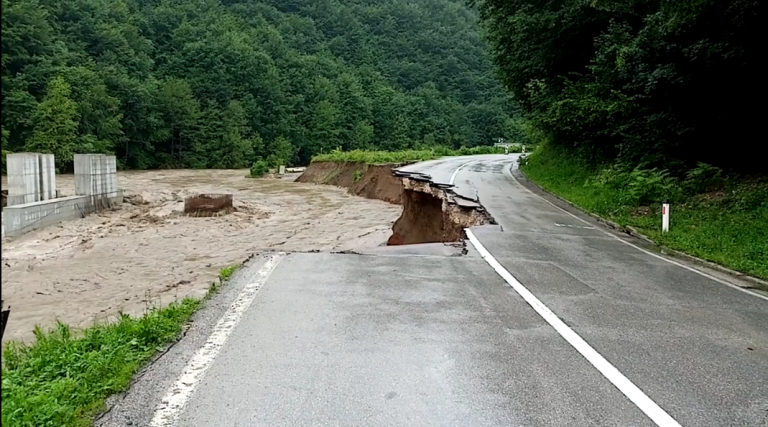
(665, 217)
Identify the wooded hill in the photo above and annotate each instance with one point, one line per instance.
(218, 84)
(654, 83)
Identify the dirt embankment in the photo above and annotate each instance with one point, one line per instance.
(369, 181)
(433, 215)
(430, 215)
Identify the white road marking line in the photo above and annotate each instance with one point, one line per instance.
(453, 176)
(557, 224)
(701, 273)
(178, 395)
(633, 393)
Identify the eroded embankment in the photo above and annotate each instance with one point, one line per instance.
(433, 214)
(430, 214)
(369, 181)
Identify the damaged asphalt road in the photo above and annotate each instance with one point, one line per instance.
(553, 321)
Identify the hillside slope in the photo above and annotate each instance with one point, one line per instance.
(201, 83)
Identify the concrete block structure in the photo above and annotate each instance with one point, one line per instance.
(47, 176)
(32, 201)
(23, 178)
(96, 179)
(95, 175)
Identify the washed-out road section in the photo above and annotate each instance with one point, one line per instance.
(419, 336)
(146, 253)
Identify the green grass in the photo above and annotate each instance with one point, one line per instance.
(63, 380)
(227, 272)
(406, 156)
(728, 227)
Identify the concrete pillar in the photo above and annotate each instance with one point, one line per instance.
(98, 172)
(47, 176)
(111, 175)
(82, 174)
(23, 178)
(88, 174)
(96, 177)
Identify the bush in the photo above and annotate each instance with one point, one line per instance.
(703, 178)
(615, 177)
(638, 186)
(405, 156)
(259, 168)
(647, 186)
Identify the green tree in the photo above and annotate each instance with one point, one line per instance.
(201, 83)
(56, 124)
(179, 114)
(324, 127)
(613, 80)
(281, 152)
(4, 148)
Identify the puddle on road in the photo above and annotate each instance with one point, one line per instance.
(145, 253)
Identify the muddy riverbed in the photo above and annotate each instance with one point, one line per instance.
(145, 253)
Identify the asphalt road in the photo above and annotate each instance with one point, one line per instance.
(421, 336)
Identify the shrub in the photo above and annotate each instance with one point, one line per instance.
(648, 186)
(703, 178)
(259, 168)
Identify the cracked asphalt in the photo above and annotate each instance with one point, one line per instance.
(430, 335)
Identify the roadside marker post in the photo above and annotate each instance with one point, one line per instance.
(665, 217)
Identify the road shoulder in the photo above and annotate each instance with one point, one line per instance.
(732, 278)
(137, 405)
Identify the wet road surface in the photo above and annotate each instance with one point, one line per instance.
(427, 338)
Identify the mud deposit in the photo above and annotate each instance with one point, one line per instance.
(430, 215)
(147, 253)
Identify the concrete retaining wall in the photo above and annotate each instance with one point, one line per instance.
(32, 196)
(20, 219)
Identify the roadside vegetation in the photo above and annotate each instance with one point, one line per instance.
(613, 94)
(64, 378)
(723, 219)
(405, 156)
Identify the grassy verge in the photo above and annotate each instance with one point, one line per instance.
(405, 156)
(726, 224)
(63, 380)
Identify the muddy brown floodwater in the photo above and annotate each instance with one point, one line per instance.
(145, 253)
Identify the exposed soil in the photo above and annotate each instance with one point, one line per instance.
(421, 221)
(148, 253)
(430, 214)
(369, 181)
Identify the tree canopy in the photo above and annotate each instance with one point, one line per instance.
(221, 83)
(653, 82)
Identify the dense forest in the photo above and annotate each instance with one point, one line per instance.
(222, 83)
(648, 83)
